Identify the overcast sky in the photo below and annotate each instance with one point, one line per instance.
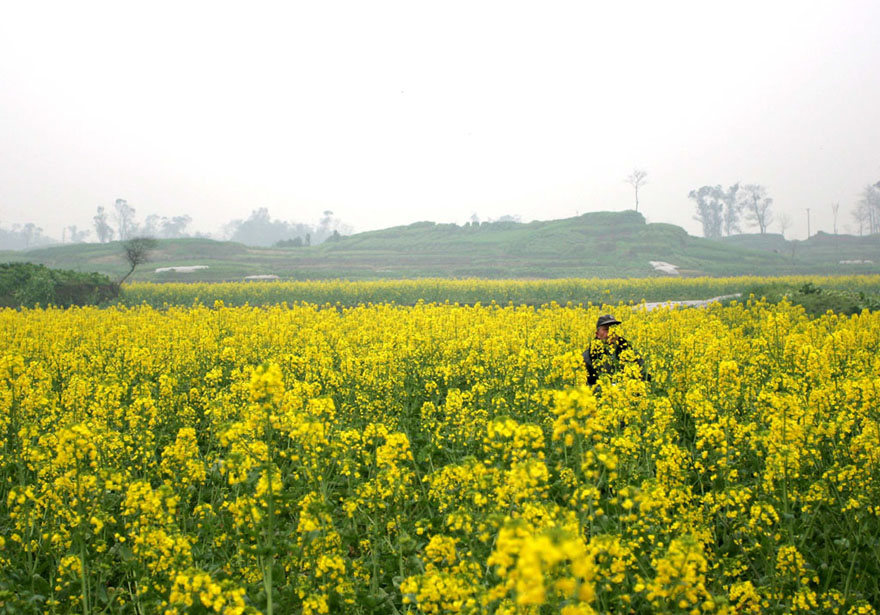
(389, 113)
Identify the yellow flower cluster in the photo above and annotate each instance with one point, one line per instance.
(194, 588)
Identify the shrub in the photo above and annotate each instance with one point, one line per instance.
(28, 285)
(817, 300)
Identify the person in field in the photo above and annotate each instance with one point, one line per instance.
(610, 353)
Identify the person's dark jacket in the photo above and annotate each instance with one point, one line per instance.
(604, 357)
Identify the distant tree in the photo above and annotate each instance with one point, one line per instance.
(23, 237)
(637, 179)
(710, 209)
(175, 227)
(328, 225)
(29, 233)
(102, 227)
(868, 208)
(151, 225)
(74, 235)
(784, 222)
(260, 229)
(862, 216)
(167, 228)
(757, 206)
(124, 219)
(326, 221)
(296, 242)
(137, 252)
(733, 207)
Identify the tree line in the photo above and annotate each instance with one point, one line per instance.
(119, 222)
(258, 229)
(22, 237)
(722, 211)
(127, 227)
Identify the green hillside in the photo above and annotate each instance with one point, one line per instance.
(602, 244)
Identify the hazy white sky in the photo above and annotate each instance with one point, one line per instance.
(389, 113)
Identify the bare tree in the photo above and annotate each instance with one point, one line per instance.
(637, 179)
(733, 206)
(710, 209)
(150, 226)
(862, 216)
(784, 222)
(124, 218)
(30, 232)
(757, 205)
(102, 228)
(868, 209)
(137, 252)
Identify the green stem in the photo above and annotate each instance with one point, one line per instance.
(267, 582)
(852, 566)
(82, 577)
(269, 558)
(82, 541)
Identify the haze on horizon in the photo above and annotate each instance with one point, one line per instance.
(388, 113)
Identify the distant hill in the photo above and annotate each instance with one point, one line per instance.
(601, 244)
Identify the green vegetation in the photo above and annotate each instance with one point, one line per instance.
(594, 245)
(29, 285)
(817, 300)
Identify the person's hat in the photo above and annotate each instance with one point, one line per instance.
(607, 319)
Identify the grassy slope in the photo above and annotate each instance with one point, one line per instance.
(603, 244)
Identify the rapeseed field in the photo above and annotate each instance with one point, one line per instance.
(471, 291)
(437, 458)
